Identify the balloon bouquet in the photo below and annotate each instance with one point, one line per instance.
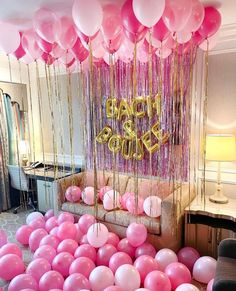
(64, 260)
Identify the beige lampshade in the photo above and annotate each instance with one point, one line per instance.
(24, 147)
(220, 148)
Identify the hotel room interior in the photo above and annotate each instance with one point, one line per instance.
(118, 145)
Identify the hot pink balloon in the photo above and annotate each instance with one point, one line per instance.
(148, 12)
(79, 233)
(85, 222)
(124, 198)
(61, 263)
(10, 248)
(30, 45)
(87, 16)
(49, 214)
(46, 252)
(157, 281)
(136, 234)
(73, 193)
(104, 254)
(132, 207)
(127, 277)
(9, 44)
(37, 223)
(3, 238)
(67, 36)
(51, 223)
(76, 282)
(19, 52)
(211, 22)
(103, 190)
(51, 280)
(160, 31)
(188, 257)
(16, 263)
(67, 230)
(187, 287)
(50, 240)
(118, 259)
(125, 246)
(67, 245)
(177, 274)
(80, 52)
(46, 24)
(83, 266)
(97, 235)
(113, 239)
(96, 284)
(210, 285)
(65, 216)
(204, 269)
(23, 233)
(37, 268)
(145, 264)
(86, 250)
(164, 257)
(35, 238)
(145, 249)
(44, 45)
(23, 282)
(47, 58)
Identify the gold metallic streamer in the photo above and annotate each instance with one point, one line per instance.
(9, 65)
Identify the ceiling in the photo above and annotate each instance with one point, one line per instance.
(19, 12)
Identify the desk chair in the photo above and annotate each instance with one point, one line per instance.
(20, 181)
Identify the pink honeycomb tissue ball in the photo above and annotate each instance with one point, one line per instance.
(73, 193)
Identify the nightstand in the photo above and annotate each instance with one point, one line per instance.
(207, 223)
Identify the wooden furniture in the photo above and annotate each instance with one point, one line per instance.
(207, 223)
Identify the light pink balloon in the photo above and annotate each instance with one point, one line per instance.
(50, 240)
(127, 277)
(57, 51)
(114, 288)
(3, 238)
(163, 52)
(65, 216)
(61, 263)
(125, 54)
(30, 45)
(188, 257)
(88, 196)
(132, 207)
(210, 285)
(102, 191)
(79, 234)
(32, 216)
(196, 17)
(178, 274)
(49, 214)
(9, 44)
(83, 266)
(118, 259)
(84, 239)
(67, 230)
(35, 238)
(125, 246)
(85, 222)
(164, 257)
(16, 263)
(145, 249)
(67, 245)
(86, 250)
(187, 287)
(104, 254)
(183, 36)
(209, 43)
(148, 12)
(136, 234)
(97, 235)
(87, 16)
(37, 268)
(73, 193)
(10, 248)
(46, 252)
(124, 198)
(204, 269)
(76, 282)
(145, 264)
(54, 231)
(51, 280)
(37, 223)
(67, 36)
(113, 45)
(51, 223)
(152, 206)
(157, 281)
(23, 282)
(96, 284)
(67, 58)
(113, 239)
(111, 200)
(142, 54)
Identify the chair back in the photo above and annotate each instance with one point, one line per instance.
(19, 179)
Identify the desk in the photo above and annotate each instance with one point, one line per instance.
(206, 224)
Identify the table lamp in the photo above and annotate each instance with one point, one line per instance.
(220, 148)
(24, 151)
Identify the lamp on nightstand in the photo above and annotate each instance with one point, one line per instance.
(220, 148)
(24, 151)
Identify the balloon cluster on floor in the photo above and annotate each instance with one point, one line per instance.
(84, 255)
(111, 29)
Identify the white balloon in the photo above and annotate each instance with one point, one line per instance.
(127, 277)
(187, 287)
(97, 235)
(204, 269)
(164, 257)
(111, 200)
(152, 206)
(32, 216)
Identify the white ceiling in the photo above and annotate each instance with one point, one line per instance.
(20, 12)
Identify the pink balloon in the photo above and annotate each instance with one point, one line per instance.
(86, 250)
(57, 51)
(176, 14)
(37, 223)
(73, 193)
(37, 268)
(113, 239)
(47, 24)
(142, 54)
(85, 222)
(127, 277)
(164, 257)
(35, 238)
(67, 36)
(54, 231)
(188, 257)
(23, 233)
(210, 285)
(76, 282)
(125, 54)
(67, 230)
(145, 264)
(44, 45)
(102, 191)
(135, 38)
(157, 281)
(96, 284)
(211, 22)
(187, 287)
(113, 288)
(177, 274)
(88, 196)
(160, 31)
(46, 252)
(125, 246)
(16, 263)
(79, 233)
(104, 254)
(84, 239)
(65, 216)
(97, 235)
(148, 12)
(47, 58)
(32, 216)
(111, 200)
(10, 248)
(51, 223)
(124, 198)
(136, 234)
(132, 207)
(145, 249)
(3, 238)
(23, 282)
(67, 245)
(209, 43)
(183, 36)
(30, 45)
(204, 269)
(51, 280)
(80, 52)
(9, 44)
(87, 16)
(111, 24)
(19, 52)
(62, 262)
(49, 214)
(152, 206)
(112, 46)
(50, 240)
(196, 16)
(67, 58)
(118, 259)
(83, 266)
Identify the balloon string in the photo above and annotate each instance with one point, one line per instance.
(9, 66)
